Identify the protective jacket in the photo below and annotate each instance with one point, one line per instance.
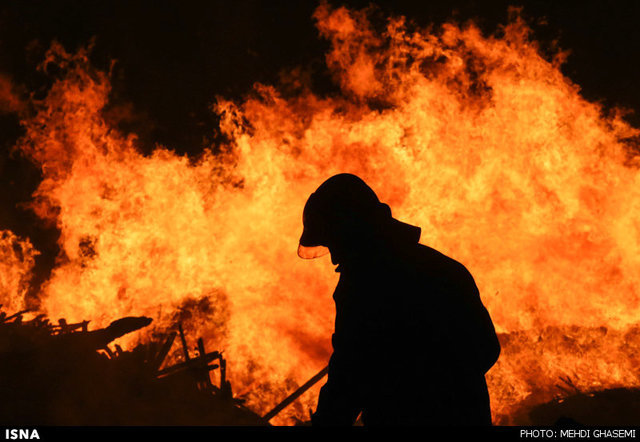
(412, 339)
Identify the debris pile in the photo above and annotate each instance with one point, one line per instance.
(615, 407)
(585, 375)
(66, 374)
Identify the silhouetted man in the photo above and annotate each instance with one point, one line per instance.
(412, 340)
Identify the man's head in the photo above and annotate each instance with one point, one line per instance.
(342, 214)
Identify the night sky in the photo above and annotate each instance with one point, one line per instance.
(171, 58)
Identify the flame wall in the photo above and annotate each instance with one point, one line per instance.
(479, 140)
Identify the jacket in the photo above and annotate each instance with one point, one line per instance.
(412, 340)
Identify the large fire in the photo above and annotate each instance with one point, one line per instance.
(479, 140)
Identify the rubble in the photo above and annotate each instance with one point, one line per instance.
(619, 407)
(65, 374)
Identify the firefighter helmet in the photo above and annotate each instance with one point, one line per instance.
(344, 205)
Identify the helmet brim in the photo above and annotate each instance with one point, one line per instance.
(312, 252)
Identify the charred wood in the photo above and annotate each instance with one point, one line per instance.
(65, 374)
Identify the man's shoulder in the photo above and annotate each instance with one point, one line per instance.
(430, 255)
(439, 263)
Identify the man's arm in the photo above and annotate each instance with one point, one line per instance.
(477, 327)
(338, 403)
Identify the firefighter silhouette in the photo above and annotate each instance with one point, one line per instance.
(412, 340)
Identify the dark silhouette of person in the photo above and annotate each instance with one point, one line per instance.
(412, 340)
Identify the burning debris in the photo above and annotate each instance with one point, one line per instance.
(579, 374)
(66, 374)
(616, 407)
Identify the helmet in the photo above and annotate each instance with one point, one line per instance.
(344, 206)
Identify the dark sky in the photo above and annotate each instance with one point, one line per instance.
(173, 57)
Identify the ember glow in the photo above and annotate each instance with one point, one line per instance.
(479, 140)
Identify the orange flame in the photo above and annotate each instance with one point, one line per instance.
(16, 263)
(478, 140)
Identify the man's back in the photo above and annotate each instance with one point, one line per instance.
(412, 339)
